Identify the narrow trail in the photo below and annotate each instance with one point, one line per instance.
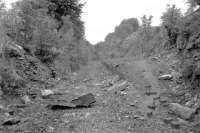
(122, 105)
(153, 86)
(127, 108)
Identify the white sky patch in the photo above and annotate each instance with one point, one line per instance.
(102, 16)
(9, 2)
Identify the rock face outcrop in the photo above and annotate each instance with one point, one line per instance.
(24, 65)
(19, 68)
(31, 68)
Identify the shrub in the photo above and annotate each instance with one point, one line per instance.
(46, 54)
(10, 84)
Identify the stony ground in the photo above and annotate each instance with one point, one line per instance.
(129, 99)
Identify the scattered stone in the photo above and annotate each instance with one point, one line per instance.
(133, 104)
(182, 122)
(120, 86)
(191, 132)
(156, 98)
(176, 75)
(13, 50)
(189, 103)
(1, 93)
(168, 120)
(2, 108)
(26, 99)
(123, 93)
(109, 84)
(86, 80)
(155, 58)
(47, 93)
(115, 79)
(149, 114)
(10, 113)
(18, 106)
(117, 65)
(84, 101)
(50, 129)
(150, 93)
(166, 77)
(138, 117)
(138, 96)
(60, 106)
(163, 100)
(175, 124)
(182, 111)
(122, 89)
(11, 122)
(7, 114)
(152, 106)
(148, 86)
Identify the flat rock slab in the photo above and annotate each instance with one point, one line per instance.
(84, 101)
(60, 106)
(168, 120)
(11, 122)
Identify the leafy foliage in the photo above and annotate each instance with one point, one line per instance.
(171, 21)
(47, 28)
(193, 3)
(113, 44)
(60, 8)
(49, 32)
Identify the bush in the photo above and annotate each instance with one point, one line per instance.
(46, 54)
(10, 84)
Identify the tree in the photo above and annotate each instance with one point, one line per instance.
(47, 29)
(193, 3)
(171, 20)
(145, 32)
(146, 25)
(73, 8)
(2, 35)
(2, 7)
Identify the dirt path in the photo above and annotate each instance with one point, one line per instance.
(123, 105)
(153, 86)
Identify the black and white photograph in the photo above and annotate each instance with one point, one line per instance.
(99, 66)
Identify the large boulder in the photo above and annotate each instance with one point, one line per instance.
(182, 111)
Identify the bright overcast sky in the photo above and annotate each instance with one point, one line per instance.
(101, 16)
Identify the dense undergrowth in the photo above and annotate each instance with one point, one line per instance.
(40, 40)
